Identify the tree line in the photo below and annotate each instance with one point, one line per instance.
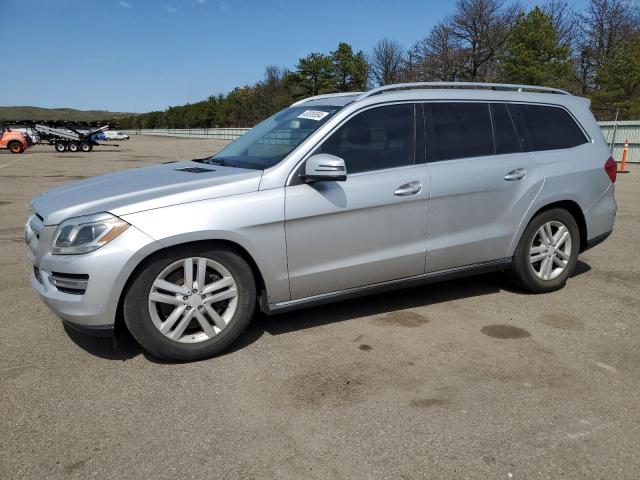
(593, 53)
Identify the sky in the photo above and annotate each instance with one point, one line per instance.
(142, 55)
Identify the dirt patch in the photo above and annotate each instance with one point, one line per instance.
(366, 348)
(5, 203)
(403, 318)
(341, 386)
(563, 321)
(504, 332)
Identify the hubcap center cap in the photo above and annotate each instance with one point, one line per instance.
(194, 301)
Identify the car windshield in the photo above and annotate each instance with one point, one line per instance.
(270, 141)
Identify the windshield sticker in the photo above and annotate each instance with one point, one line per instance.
(316, 115)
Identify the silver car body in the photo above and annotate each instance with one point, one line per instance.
(311, 243)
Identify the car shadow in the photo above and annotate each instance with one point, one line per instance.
(123, 347)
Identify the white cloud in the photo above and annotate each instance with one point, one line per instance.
(170, 9)
(125, 4)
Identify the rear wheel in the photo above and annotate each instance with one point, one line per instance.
(548, 251)
(191, 303)
(60, 147)
(85, 147)
(73, 147)
(15, 147)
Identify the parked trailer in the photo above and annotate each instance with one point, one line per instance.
(66, 136)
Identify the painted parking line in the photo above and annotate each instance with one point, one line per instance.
(13, 161)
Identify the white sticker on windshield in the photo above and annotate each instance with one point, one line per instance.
(316, 115)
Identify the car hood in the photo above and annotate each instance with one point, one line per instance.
(144, 188)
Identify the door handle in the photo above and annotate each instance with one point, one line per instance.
(515, 175)
(407, 189)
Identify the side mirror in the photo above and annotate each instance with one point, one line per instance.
(324, 167)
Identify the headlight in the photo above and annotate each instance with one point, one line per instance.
(86, 234)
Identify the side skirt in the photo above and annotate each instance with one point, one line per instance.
(426, 278)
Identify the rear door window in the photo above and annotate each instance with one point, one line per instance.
(458, 130)
(547, 127)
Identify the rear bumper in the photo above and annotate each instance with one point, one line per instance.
(596, 240)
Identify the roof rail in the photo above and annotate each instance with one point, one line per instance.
(462, 85)
(326, 95)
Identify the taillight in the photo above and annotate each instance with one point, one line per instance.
(611, 167)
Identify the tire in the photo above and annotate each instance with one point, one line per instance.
(15, 147)
(149, 306)
(85, 147)
(534, 252)
(73, 147)
(60, 147)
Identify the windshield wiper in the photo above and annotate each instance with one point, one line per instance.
(222, 162)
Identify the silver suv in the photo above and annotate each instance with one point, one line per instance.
(336, 196)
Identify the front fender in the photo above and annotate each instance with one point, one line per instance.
(254, 221)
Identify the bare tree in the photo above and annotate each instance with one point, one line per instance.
(439, 56)
(606, 23)
(565, 20)
(387, 60)
(481, 27)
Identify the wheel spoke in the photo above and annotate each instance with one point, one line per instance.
(558, 261)
(217, 319)
(559, 234)
(182, 326)
(538, 249)
(549, 233)
(545, 271)
(172, 319)
(543, 235)
(218, 297)
(562, 239)
(188, 273)
(204, 323)
(202, 270)
(537, 258)
(563, 255)
(219, 285)
(162, 298)
(170, 287)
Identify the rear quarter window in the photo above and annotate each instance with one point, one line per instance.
(548, 128)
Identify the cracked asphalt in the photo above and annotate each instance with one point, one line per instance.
(459, 380)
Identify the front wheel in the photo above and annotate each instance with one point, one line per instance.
(190, 303)
(548, 251)
(85, 147)
(15, 147)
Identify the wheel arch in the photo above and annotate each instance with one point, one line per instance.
(570, 206)
(242, 251)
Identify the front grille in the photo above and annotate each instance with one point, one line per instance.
(72, 283)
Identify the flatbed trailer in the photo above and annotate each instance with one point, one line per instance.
(65, 136)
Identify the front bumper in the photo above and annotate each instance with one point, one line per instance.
(108, 268)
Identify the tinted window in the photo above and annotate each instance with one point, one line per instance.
(504, 130)
(459, 130)
(375, 139)
(549, 128)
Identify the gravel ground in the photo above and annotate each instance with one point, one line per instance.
(463, 379)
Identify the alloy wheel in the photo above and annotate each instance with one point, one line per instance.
(193, 300)
(550, 250)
